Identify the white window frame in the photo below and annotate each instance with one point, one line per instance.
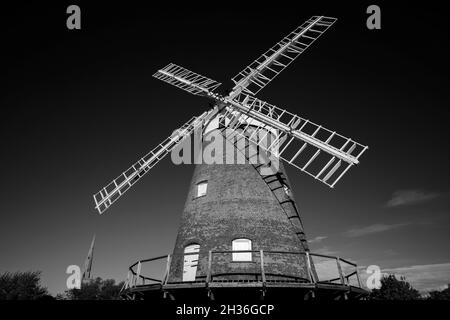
(242, 244)
(190, 262)
(202, 189)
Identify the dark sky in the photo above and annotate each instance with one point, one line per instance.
(80, 106)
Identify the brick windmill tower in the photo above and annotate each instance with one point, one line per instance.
(241, 232)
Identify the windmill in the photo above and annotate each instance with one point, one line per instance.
(241, 225)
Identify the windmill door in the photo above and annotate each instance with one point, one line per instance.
(190, 262)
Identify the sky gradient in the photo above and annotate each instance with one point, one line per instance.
(79, 107)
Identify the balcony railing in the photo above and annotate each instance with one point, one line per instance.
(321, 269)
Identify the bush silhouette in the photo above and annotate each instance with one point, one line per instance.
(22, 286)
(440, 295)
(95, 289)
(394, 289)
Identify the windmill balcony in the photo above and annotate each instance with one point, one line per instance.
(329, 277)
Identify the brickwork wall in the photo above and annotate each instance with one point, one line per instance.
(238, 204)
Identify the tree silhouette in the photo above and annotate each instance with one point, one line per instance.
(22, 286)
(394, 289)
(95, 289)
(440, 295)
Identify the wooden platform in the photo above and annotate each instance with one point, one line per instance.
(243, 291)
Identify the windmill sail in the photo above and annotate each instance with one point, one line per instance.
(321, 153)
(315, 150)
(186, 80)
(263, 70)
(116, 188)
(88, 262)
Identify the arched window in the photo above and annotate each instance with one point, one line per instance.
(202, 188)
(240, 245)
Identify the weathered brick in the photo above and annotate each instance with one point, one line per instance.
(239, 204)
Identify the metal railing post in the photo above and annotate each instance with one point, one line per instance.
(309, 268)
(166, 275)
(138, 272)
(135, 278)
(208, 277)
(338, 262)
(357, 276)
(263, 274)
